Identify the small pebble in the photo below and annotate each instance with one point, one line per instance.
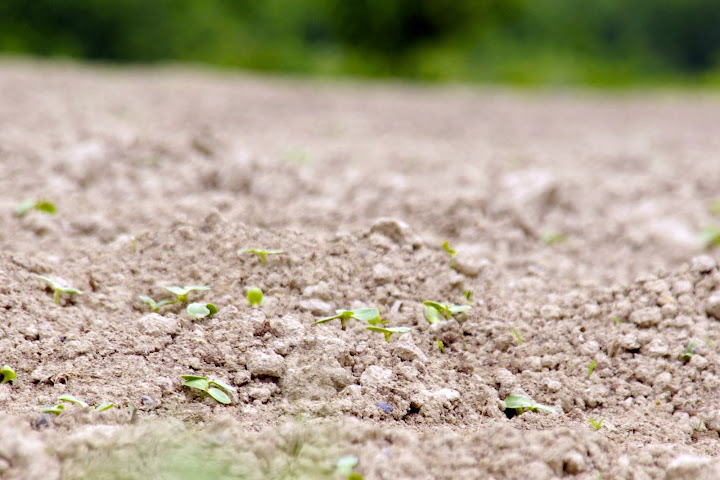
(386, 407)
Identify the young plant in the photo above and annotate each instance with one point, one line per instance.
(59, 288)
(518, 337)
(596, 423)
(468, 295)
(521, 403)
(255, 296)
(689, 351)
(262, 253)
(389, 331)
(434, 310)
(201, 310)
(441, 345)
(367, 315)
(710, 236)
(41, 206)
(155, 306)
(215, 388)
(591, 368)
(452, 252)
(345, 466)
(7, 374)
(58, 409)
(553, 238)
(182, 292)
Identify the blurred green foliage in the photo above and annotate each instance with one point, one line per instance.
(602, 42)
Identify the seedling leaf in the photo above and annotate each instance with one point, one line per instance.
(553, 238)
(58, 288)
(596, 423)
(446, 309)
(388, 331)
(710, 236)
(71, 399)
(55, 410)
(440, 345)
(255, 296)
(41, 206)
(432, 315)
(262, 253)
(346, 465)
(198, 310)
(449, 250)
(219, 395)
(223, 385)
(522, 402)
(7, 374)
(201, 383)
(367, 315)
(182, 292)
(689, 351)
(518, 337)
(104, 406)
(591, 368)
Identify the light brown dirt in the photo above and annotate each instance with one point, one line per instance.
(161, 177)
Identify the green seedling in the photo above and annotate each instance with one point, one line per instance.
(133, 244)
(468, 295)
(41, 206)
(389, 331)
(182, 292)
(452, 252)
(441, 345)
(255, 296)
(617, 320)
(58, 409)
(201, 310)
(366, 315)
(522, 403)
(345, 466)
(7, 374)
(553, 238)
(262, 253)
(434, 310)
(215, 388)
(710, 342)
(518, 337)
(689, 351)
(710, 236)
(155, 306)
(591, 368)
(596, 423)
(59, 289)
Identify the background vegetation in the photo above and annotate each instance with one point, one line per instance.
(548, 42)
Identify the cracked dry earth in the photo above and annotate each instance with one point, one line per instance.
(162, 176)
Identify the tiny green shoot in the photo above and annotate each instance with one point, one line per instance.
(468, 295)
(596, 423)
(345, 466)
(441, 345)
(446, 309)
(133, 244)
(366, 315)
(522, 402)
(714, 208)
(182, 292)
(689, 351)
(617, 320)
(255, 296)
(215, 388)
(591, 368)
(262, 253)
(155, 306)
(518, 337)
(7, 374)
(710, 236)
(58, 409)
(710, 342)
(41, 206)
(201, 310)
(388, 331)
(553, 238)
(59, 288)
(452, 252)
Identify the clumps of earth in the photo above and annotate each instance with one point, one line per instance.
(628, 365)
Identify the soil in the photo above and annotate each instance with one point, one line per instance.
(163, 176)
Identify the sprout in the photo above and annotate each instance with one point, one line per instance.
(553, 238)
(155, 306)
(40, 206)
(440, 345)
(468, 295)
(345, 466)
(182, 292)
(591, 368)
(201, 310)
(367, 315)
(58, 409)
(518, 337)
(58, 288)
(689, 351)
(262, 253)
(255, 296)
(215, 388)
(596, 423)
(388, 331)
(520, 403)
(449, 250)
(710, 236)
(433, 311)
(7, 374)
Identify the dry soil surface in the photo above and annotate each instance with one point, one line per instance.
(163, 176)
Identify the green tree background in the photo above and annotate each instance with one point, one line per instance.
(546, 42)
